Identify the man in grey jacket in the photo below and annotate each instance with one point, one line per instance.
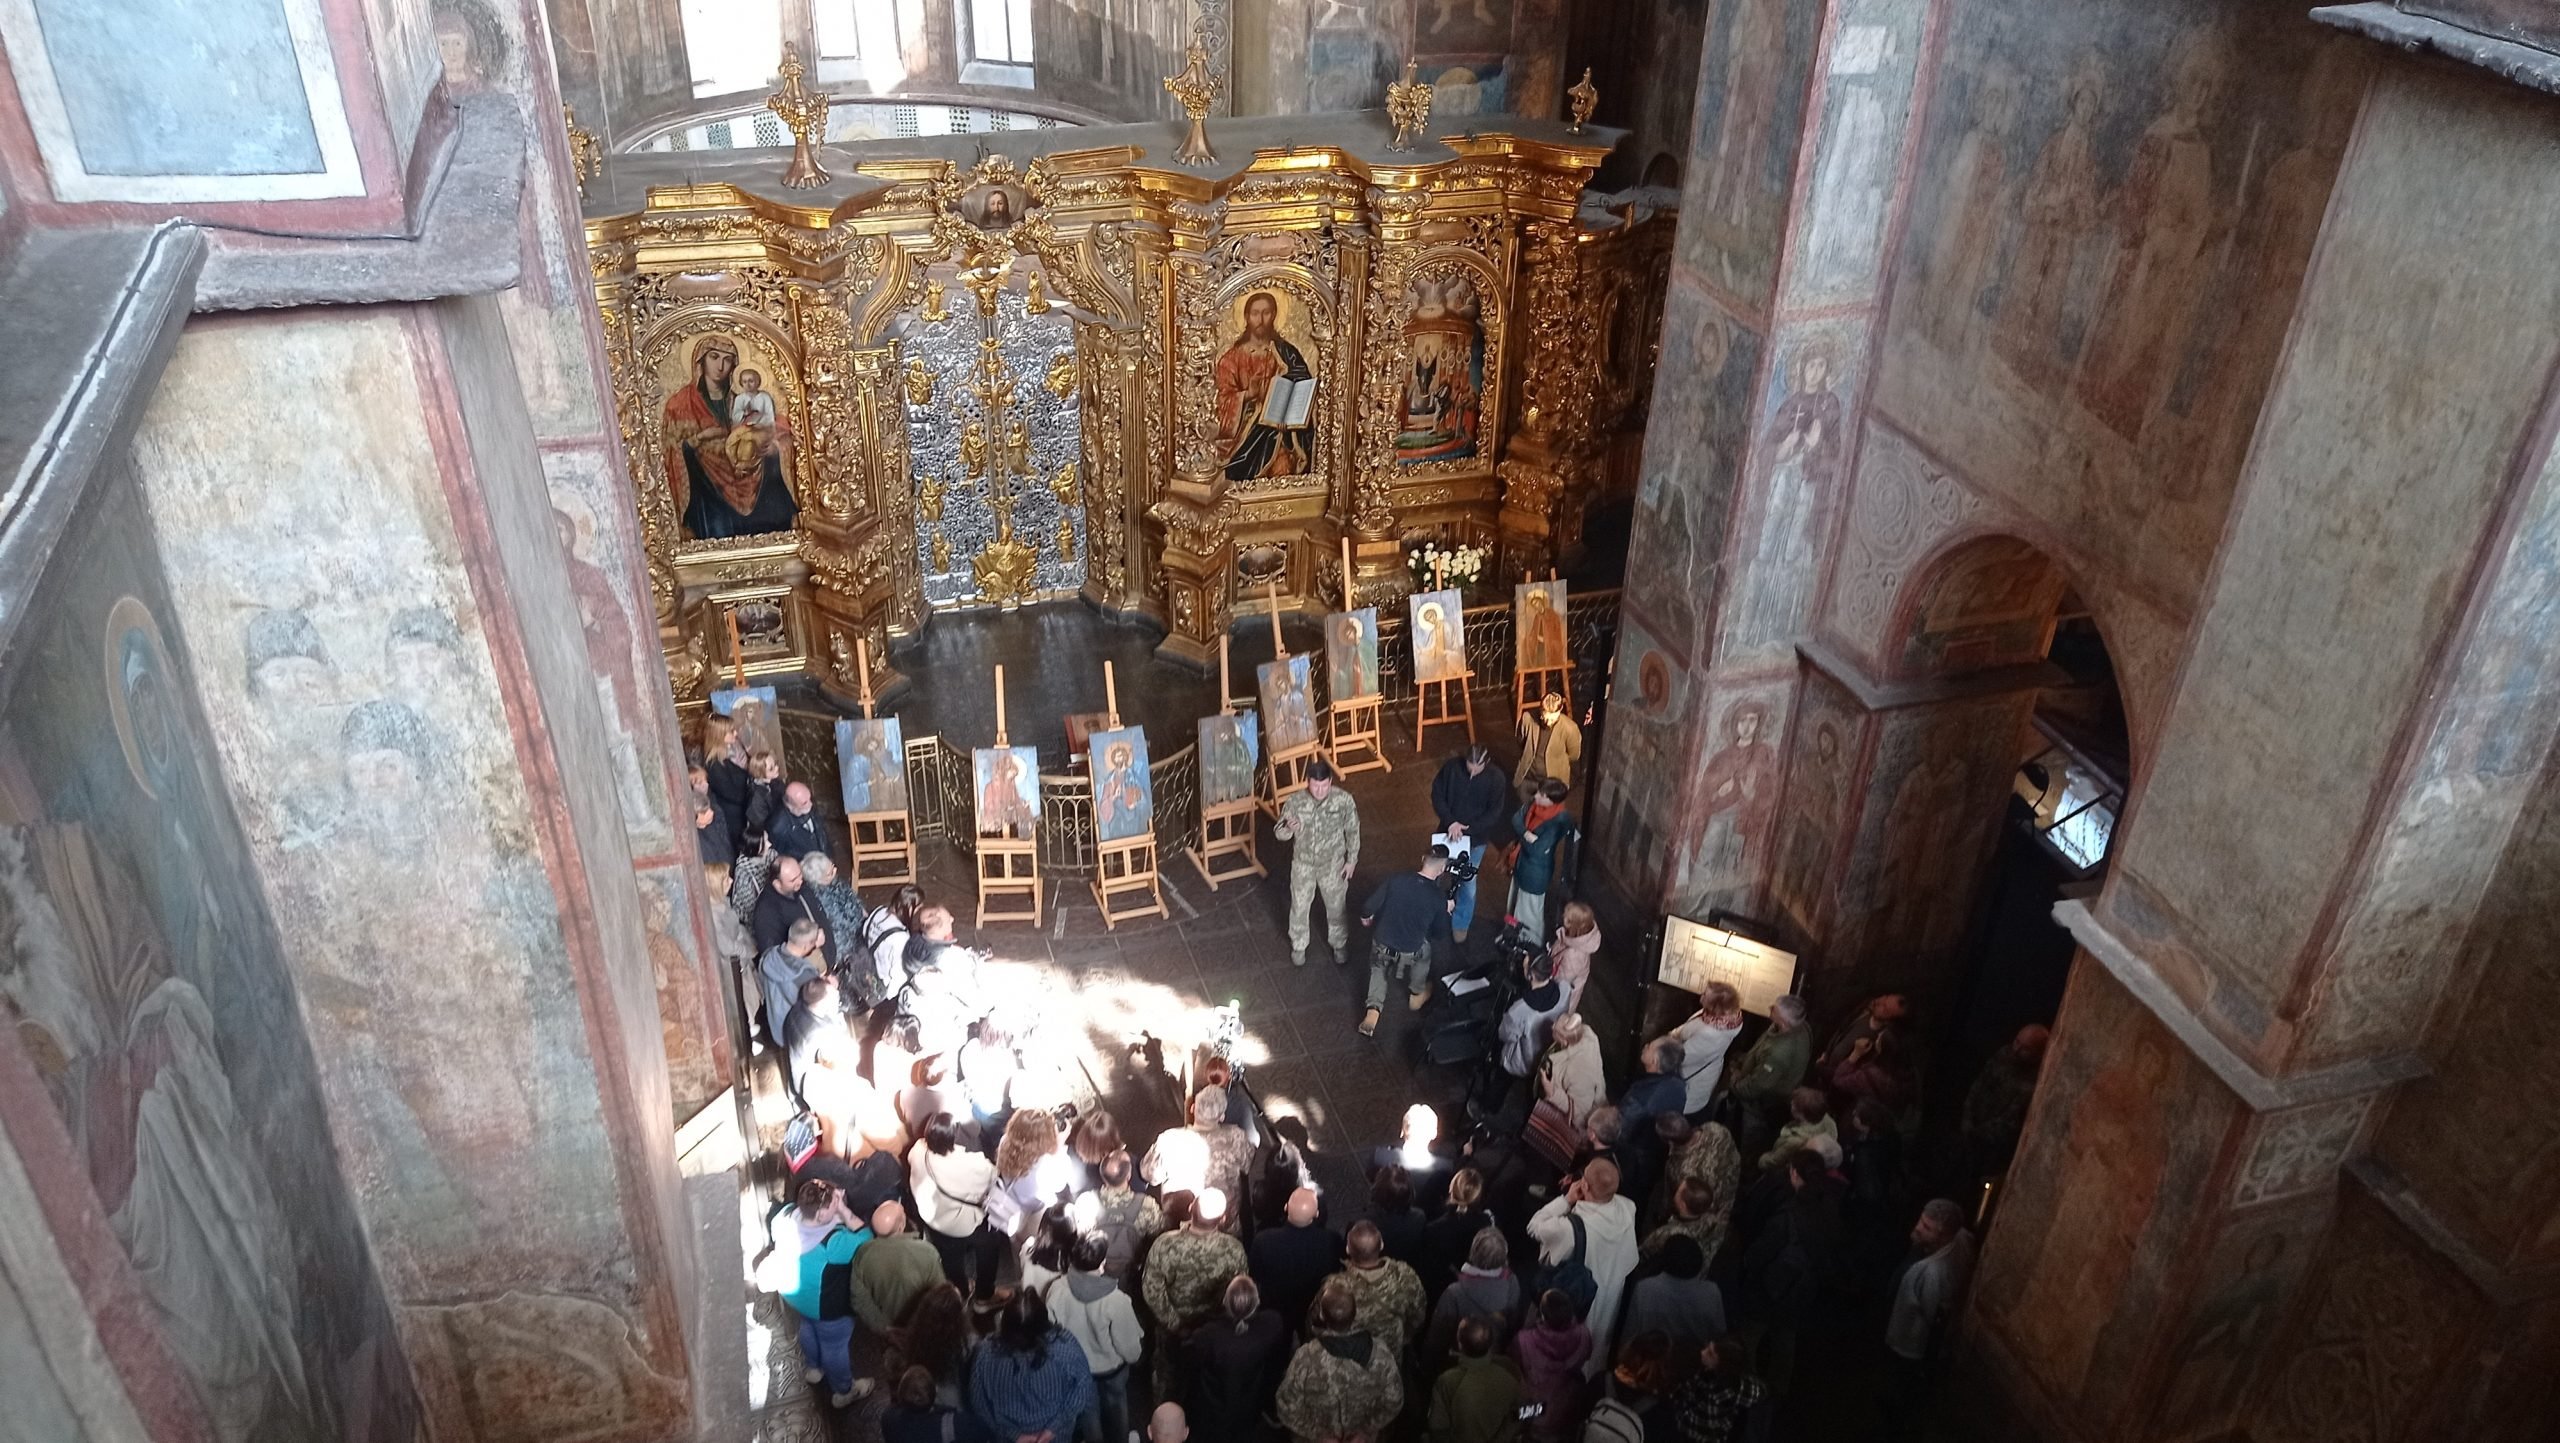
(1088, 1303)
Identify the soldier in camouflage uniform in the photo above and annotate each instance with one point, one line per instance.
(1341, 1384)
(1705, 1152)
(1388, 1293)
(1325, 825)
(1186, 1275)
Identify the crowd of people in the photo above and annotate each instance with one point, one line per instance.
(1636, 1267)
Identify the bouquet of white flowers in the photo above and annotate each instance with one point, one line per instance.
(1436, 566)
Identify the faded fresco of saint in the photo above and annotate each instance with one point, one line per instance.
(871, 759)
(2115, 1152)
(1229, 748)
(725, 445)
(1804, 446)
(1538, 611)
(1288, 704)
(1124, 797)
(1351, 654)
(1008, 783)
(1439, 636)
(1741, 785)
(1266, 393)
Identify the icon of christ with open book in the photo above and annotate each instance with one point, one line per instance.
(1266, 393)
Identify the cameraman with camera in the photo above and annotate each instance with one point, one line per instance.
(1408, 910)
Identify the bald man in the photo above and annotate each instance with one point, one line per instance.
(1290, 1263)
(1392, 1303)
(893, 1270)
(1167, 1424)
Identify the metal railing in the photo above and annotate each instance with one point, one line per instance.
(940, 786)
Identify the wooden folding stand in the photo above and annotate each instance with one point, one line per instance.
(884, 843)
(1285, 773)
(1008, 865)
(1227, 847)
(1529, 685)
(1433, 700)
(1125, 885)
(1353, 740)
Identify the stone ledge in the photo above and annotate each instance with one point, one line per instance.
(466, 242)
(2261, 1092)
(109, 303)
(2506, 59)
(2502, 1286)
(1877, 694)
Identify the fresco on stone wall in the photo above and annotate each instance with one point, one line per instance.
(1701, 411)
(1935, 794)
(1465, 85)
(1990, 602)
(1823, 757)
(2102, 255)
(1734, 799)
(1446, 27)
(2248, 1274)
(1799, 455)
(1742, 151)
(686, 1020)
(1346, 64)
(143, 978)
(1867, 83)
(614, 654)
(2125, 1125)
(1648, 700)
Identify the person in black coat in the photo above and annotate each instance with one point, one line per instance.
(787, 899)
(1447, 1238)
(1472, 799)
(712, 834)
(724, 768)
(1233, 1366)
(1400, 1224)
(1290, 1263)
(795, 829)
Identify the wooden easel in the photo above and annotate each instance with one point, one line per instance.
(1125, 885)
(1433, 704)
(1353, 741)
(1285, 774)
(1008, 866)
(880, 839)
(1530, 685)
(1226, 848)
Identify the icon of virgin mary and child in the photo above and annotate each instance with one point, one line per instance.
(724, 448)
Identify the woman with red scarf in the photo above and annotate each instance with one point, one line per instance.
(1546, 831)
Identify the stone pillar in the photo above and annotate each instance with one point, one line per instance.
(379, 622)
(1893, 803)
(1792, 183)
(555, 335)
(2365, 704)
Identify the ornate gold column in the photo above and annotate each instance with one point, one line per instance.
(1199, 537)
(1377, 557)
(1550, 458)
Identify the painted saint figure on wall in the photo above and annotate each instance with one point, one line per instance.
(1741, 785)
(1442, 411)
(724, 450)
(1803, 444)
(1266, 398)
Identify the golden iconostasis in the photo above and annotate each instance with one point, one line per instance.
(951, 380)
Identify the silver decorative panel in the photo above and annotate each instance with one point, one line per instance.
(949, 351)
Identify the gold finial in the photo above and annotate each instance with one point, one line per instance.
(805, 112)
(1066, 538)
(1195, 89)
(1586, 98)
(586, 153)
(937, 307)
(1408, 107)
(1034, 299)
(1062, 374)
(985, 282)
(919, 383)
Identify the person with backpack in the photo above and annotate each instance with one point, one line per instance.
(1587, 1240)
(1631, 1407)
(1092, 1308)
(819, 1238)
(1552, 1354)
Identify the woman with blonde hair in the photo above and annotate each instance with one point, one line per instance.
(1570, 1076)
(1027, 1168)
(1577, 943)
(1704, 1040)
